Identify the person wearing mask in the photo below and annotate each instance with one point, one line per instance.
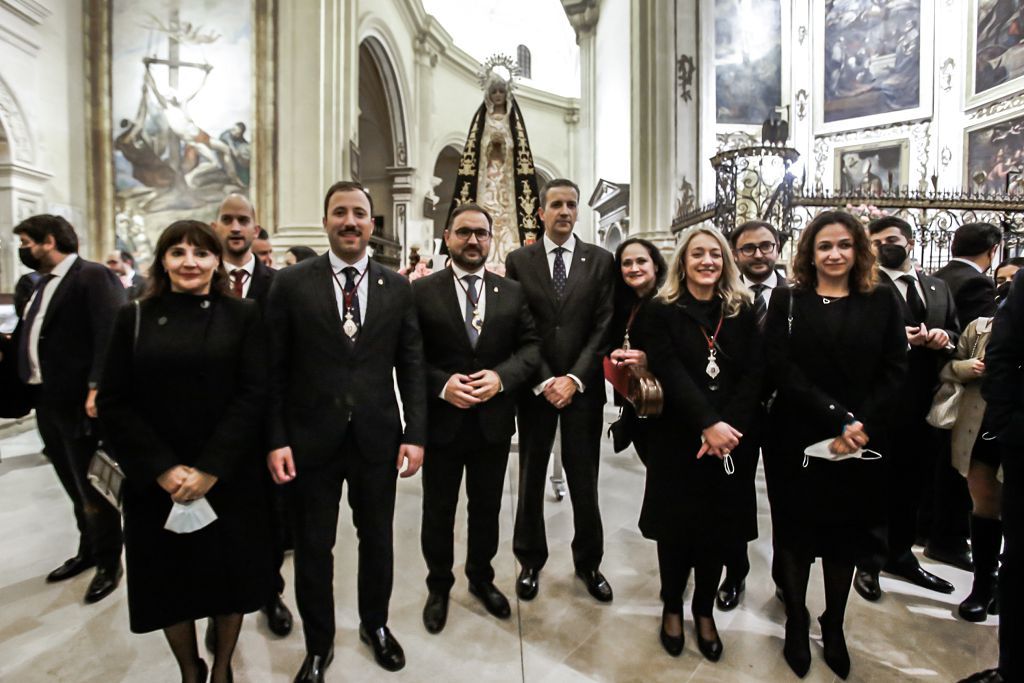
(480, 347)
(704, 347)
(60, 347)
(198, 355)
(642, 271)
(836, 349)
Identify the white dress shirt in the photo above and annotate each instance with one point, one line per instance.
(249, 267)
(57, 276)
(902, 286)
(362, 290)
(549, 249)
(770, 284)
(460, 290)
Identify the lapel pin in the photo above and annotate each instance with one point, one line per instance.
(161, 321)
(380, 281)
(933, 288)
(583, 259)
(495, 290)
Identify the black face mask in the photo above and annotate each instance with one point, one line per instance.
(892, 255)
(30, 261)
(1003, 290)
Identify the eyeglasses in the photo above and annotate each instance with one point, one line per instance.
(464, 234)
(750, 249)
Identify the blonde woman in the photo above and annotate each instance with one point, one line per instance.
(699, 502)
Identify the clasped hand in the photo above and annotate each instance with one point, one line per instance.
(560, 390)
(466, 391)
(185, 483)
(631, 357)
(920, 335)
(851, 440)
(719, 440)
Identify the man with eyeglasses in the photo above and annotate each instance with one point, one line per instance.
(756, 246)
(480, 347)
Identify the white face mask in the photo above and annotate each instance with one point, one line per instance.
(821, 450)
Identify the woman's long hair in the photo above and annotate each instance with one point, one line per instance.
(624, 292)
(863, 275)
(729, 286)
(190, 232)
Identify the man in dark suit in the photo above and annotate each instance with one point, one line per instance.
(569, 286)
(756, 246)
(932, 331)
(481, 347)
(341, 326)
(61, 344)
(1003, 390)
(236, 227)
(123, 265)
(974, 250)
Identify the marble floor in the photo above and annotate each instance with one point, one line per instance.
(48, 634)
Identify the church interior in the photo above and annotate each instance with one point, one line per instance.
(666, 113)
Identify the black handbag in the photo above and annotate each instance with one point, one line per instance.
(15, 396)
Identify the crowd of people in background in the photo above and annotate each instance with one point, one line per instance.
(885, 404)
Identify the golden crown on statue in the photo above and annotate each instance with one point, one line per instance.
(499, 66)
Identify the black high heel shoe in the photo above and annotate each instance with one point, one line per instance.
(797, 649)
(836, 655)
(672, 644)
(711, 649)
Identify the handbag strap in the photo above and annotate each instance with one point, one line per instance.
(138, 321)
(789, 316)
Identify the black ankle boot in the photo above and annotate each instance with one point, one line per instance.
(986, 539)
(797, 649)
(836, 655)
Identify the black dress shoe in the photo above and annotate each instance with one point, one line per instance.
(492, 598)
(916, 574)
(279, 617)
(866, 585)
(528, 583)
(960, 558)
(729, 594)
(797, 650)
(711, 649)
(435, 612)
(104, 583)
(386, 649)
(986, 676)
(597, 585)
(73, 567)
(672, 644)
(313, 668)
(836, 655)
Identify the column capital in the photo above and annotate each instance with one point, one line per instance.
(583, 16)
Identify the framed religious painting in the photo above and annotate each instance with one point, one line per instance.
(995, 51)
(994, 156)
(872, 62)
(178, 125)
(872, 169)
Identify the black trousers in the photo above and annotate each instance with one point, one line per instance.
(485, 465)
(315, 496)
(70, 446)
(1011, 574)
(911, 465)
(946, 508)
(581, 422)
(280, 533)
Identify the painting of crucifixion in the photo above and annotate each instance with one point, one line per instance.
(181, 110)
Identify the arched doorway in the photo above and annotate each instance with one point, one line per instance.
(445, 168)
(383, 150)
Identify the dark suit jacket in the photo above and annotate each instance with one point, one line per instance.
(323, 385)
(76, 330)
(1003, 386)
(573, 330)
(137, 288)
(973, 292)
(923, 364)
(508, 344)
(259, 288)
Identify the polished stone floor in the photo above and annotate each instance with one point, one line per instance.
(563, 636)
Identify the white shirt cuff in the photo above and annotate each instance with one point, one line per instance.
(539, 389)
(579, 383)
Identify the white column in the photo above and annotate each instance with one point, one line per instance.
(582, 128)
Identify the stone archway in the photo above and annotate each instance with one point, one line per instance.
(383, 150)
(446, 168)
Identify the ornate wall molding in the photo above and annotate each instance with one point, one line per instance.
(919, 134)
(735, 140)
(19, 138)
(1011, 103)
(686, 67)
(946, 71)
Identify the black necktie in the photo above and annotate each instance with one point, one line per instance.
(24, 363)
(471, 310)
(558, 274)
(917, 307)
(760, 306)
(350, 289)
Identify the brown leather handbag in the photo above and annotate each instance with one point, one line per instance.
(637, 385)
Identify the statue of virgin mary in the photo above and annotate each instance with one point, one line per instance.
(496, 170)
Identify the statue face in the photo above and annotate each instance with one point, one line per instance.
(498, 95)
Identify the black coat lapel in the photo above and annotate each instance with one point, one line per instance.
(908, 315)
(377, 299)
(449, 300)
(63, 287)
(933, 304)
(543, 273)
(327, 300)
(495, 308)
(579, 270)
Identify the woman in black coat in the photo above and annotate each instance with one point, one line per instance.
(836, 346)
(642, 270)
(182, 404)
(699, 503)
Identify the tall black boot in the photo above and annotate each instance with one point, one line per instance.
(986, 539)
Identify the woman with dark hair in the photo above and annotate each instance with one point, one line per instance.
(836, 347)
(297, 255)
(182, 404)
(642, 270)
(699, 500)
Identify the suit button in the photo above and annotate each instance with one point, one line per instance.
(831, 406)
